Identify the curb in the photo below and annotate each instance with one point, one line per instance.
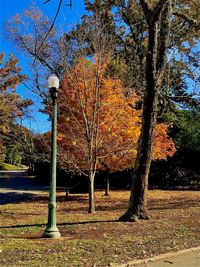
(152, 259)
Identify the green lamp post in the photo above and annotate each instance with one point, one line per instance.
(51, 230)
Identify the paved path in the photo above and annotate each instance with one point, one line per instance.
(13, 181)
(191, 259)
(16, 186)
(184, 258)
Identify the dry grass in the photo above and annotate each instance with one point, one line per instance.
(96, 240)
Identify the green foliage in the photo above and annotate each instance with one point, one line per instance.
(2, 151)
(187, 130)
(20, 145)
(13, 155)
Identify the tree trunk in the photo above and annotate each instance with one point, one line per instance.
(67, 193)
(138, 200)
(155, 65)
(107, 185)
(91, 195)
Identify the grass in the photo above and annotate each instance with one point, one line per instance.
(9, 167)
(98, 239)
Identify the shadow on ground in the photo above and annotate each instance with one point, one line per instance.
(58, 224)
(15, 197)
(19, 181)
(16, 187)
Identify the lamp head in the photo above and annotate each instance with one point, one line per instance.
(53, 82)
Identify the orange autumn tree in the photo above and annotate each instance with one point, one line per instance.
(97, 124)
(12, 106)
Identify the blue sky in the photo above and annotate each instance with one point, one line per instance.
(67, 18)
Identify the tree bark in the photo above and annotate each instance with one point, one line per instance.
(138, 200)
(91, 195)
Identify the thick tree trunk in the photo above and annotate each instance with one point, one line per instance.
(91, 195)
(138, 200)
(107, 186)
(155, 63)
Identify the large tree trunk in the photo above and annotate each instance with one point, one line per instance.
(91, 195)
(138, 201)
(154, 70)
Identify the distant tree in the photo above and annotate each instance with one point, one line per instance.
(20, 143)
(187, 130)
(12, 107)
(2, 152)
(10, 101)
(13, 154)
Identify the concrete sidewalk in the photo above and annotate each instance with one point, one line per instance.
(183, 258)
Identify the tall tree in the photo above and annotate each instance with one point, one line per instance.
(158, 21)
(154, 28)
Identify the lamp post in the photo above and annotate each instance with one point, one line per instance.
(51, 230)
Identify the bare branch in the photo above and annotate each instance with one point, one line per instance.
(46, 2)
(51, 27)
(195, 2)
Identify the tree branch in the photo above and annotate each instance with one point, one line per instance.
(46, 2)
(186, 17)
(145, 6)
(35, 55)
(152, 14)
(51, 27)
(159, 7)
(164, 36)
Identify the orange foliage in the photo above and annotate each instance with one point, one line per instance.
(11, 104)
(164, 146)
(97, 120)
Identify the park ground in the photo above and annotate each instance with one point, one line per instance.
(92, 239)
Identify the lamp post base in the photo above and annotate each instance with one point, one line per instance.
(51, 234)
